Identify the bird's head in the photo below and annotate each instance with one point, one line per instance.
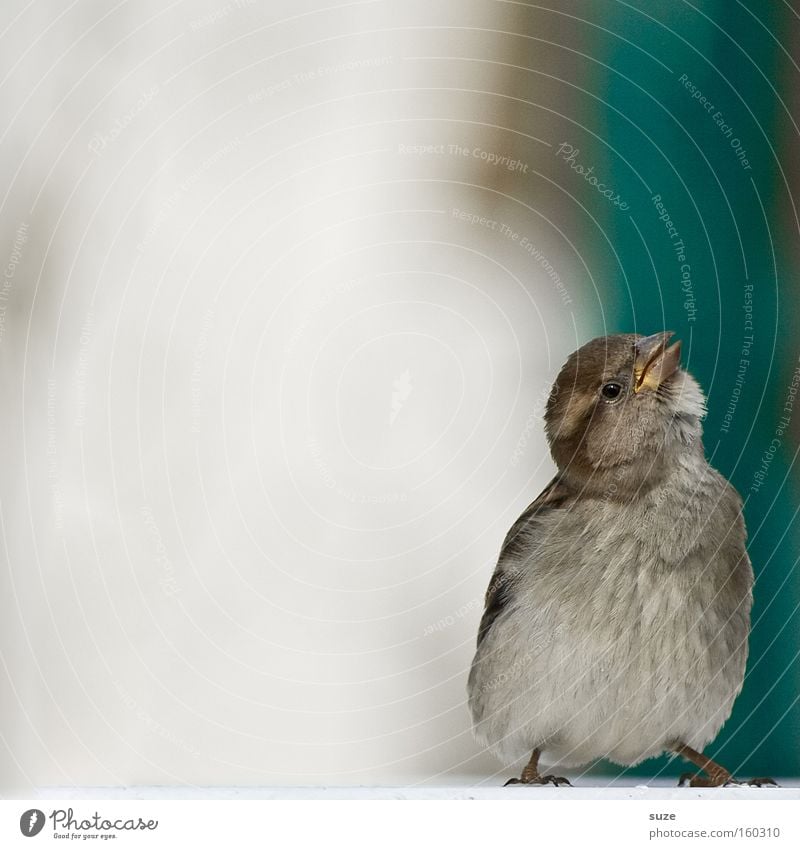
(620, 409)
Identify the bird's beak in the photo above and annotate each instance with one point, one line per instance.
(654, 362)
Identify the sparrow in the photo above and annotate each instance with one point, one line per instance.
(617, 619)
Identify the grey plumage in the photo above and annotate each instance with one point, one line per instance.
(617, 620)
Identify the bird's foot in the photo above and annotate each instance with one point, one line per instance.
(761, 782)
(697, 780)
(555, 780)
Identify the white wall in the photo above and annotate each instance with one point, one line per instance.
(269, 406)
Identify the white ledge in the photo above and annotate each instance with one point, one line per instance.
(789, 789)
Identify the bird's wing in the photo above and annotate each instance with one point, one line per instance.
(517, 541)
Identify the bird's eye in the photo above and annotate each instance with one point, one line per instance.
(611, 391)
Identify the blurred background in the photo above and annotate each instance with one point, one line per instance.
(284, 288)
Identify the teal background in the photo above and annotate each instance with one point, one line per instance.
(739, 227)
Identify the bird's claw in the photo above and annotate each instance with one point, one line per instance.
(555, 780)
(762, 782)
(697, 780)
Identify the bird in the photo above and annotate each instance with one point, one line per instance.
(616, 622)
